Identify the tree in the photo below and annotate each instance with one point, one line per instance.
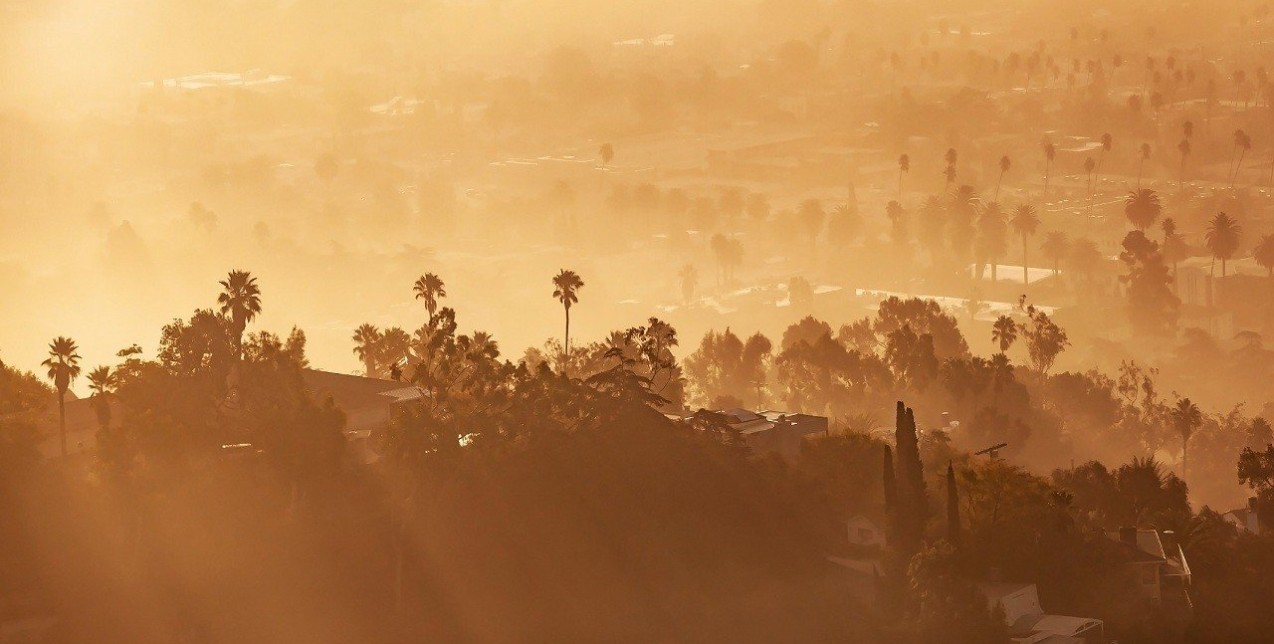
(1242, 144)
(1004, 333)
(1184, 148)
(912, 505)
(240, 299)
(101, 382)
(1145, 155)
(1174, 247)
(1025, 222)
(1055, 247)
(1152, 306)
(811, 217)
(897, 222)
(1050, 152)
(430, 288)
(1045, 340)
(689, 278)
(1005, 164)
(1142, 207)
(950, 172)
(904, 166)
(367, 340)
(566, 285)
(63, 366)
(1263, 253)
(1186, 418)
(992, 236)
(953, 509)
(607, 154)
(1222, 238)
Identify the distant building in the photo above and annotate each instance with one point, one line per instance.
(1162, 574)
(775, 431)
(864, 532)
(1027, 622)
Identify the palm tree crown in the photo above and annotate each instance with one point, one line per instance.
(63, 364)
(1004, 333)
(1025, 222)
(1222, 238)
(1264, 253)
(1142, 207)
(240, 298)
(429, 287)
(566, 285)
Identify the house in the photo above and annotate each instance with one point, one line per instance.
(864, 532)
(775, 431)
(1029, 624)
(1246, 518)
(1162, 574)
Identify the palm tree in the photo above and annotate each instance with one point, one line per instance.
(367, 346)
(1089, 167)
(904, 167)
(64, 367)
(1222, 238)
(1055, 247)
(1050, 153)
(607, 153)
(992, 242)
(897, 222)
(950, 157)
(1186, 418)
(1005, 164)
(1174, 248)
(689, 281)
(812, 217)
(565, 286)
(1025, 222)
(1106, 142)
(1264, 253)
(101, 382)
(1142, 207)
(1004, 333)
(240, 298)
(1184, 148)
(1145, 154)
(1244, 143)
(429, 287)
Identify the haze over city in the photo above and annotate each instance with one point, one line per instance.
(733, 320)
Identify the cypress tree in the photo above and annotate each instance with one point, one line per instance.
(953, 509)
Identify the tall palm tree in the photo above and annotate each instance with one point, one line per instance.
(992, 236)
(689, 277)
(367, 346)
(101, 382)
(1005, 164)
(63, 364)
(607, 153)
(1145, 155)
(429, 287)
(240, 298)
(1186, 418)
(566, 285)
(1004, 333)
(1244, 143)
(1055, 247)
(1222, 238)
(1025, 222)
(1264, 253)
(1174, 248)
(904, 167)
(1184, 148)
(950, 172)
(1050, 152)
(1142, 207)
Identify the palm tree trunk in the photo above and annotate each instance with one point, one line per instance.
(1026, 278)
(1046, 164)
(1185, 457)
(62, 419)
(568, 331)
